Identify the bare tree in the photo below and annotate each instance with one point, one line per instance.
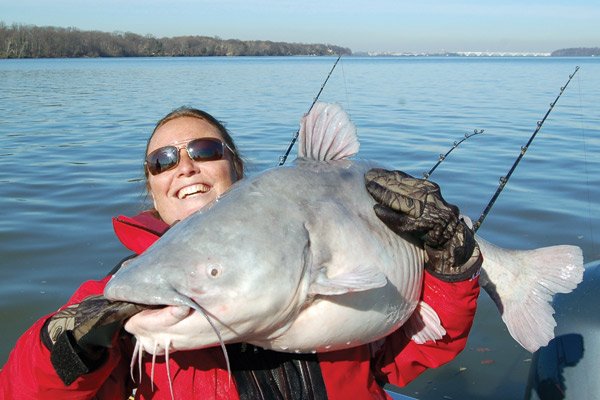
(29, 41)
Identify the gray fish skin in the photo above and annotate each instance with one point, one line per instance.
(303, 264)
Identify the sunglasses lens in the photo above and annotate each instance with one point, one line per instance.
(165, 158)
(205, 149)
(162, 159)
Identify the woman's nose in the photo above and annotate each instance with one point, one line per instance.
(186, 165)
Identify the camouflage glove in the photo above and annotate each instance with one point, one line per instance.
(79, 335)
(416, 207)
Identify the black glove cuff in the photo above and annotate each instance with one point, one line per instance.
(70, 361)
(471, 272)
(45, 336)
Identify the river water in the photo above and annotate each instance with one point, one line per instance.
(73, 132)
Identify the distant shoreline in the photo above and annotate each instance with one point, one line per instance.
(354, 55)
(455, 54)
(30, 41)
(571, 52)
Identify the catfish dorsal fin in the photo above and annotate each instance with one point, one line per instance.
(326, 133)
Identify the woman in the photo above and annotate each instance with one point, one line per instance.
(178, 192)
(190, 161)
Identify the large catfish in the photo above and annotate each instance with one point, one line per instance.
(296, 260)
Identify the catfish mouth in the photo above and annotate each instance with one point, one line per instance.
(172, 320)
(158, 329)
(122, 311)
(178, 312)
(105, 311)
(126, 310)
(168, 323)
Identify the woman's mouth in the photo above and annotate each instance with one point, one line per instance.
(192, 190)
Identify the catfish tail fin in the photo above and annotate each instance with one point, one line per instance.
(523, 283)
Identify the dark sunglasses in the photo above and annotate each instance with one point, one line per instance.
(204, 149)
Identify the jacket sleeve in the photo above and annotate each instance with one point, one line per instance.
(399, 360)
(29, 374)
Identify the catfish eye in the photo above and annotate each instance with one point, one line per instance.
(214, 271)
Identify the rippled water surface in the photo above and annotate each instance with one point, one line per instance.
(72, 137)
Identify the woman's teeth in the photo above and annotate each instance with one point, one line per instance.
(192, 190)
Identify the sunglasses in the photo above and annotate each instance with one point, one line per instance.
(204, 149)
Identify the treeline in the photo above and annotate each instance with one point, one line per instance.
(29, 41)
(577, 52)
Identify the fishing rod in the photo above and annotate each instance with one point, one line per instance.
(426, 175)
(504, 179)
(285, 156)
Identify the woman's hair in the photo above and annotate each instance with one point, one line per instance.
(238, 162)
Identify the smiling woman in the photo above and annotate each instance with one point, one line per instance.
(181, 182)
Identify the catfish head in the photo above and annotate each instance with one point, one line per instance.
(231, 274)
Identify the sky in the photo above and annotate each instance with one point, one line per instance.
(363, 26)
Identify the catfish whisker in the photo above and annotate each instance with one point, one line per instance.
(153, 364)
(140, 355)
(199, 308)
(136, 350)
(167, 346)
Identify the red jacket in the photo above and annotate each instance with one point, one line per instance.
(202, 374)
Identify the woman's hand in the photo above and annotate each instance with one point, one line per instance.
(416, 207)
(79, 335)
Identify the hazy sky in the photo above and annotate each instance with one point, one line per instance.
(370, 25)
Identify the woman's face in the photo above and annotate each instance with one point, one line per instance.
(190, 185)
